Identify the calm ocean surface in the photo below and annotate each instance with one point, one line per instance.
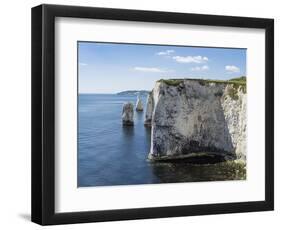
(110, 154)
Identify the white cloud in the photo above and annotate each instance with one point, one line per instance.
(165, 53)
(200, 68)
(205, 67)
(191, 59)
(82, 64)
(232, 69)
(150, 69)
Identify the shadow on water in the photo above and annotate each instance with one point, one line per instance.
(128, 131)
(186, 172)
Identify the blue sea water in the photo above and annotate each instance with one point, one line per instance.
(112, 154)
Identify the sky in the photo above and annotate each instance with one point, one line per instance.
(116, 67)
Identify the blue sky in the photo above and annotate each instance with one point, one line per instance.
(111, 68)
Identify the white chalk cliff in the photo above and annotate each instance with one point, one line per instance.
(194, 116)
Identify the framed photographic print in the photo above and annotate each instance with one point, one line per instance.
(143, 114)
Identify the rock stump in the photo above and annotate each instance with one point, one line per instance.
(128, 114)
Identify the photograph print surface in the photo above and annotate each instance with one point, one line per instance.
(150, 114)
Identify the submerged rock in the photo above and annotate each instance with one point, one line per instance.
(139, 106)
(128, 114)
(195, 116)
(149, 109)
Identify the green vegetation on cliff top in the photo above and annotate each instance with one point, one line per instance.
(235, 81)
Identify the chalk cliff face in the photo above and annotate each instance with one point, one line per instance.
(196, 116)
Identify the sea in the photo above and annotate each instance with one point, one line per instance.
(112, 154)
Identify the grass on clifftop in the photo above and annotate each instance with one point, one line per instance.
(175, 82)
(172, 82)
(239, 80)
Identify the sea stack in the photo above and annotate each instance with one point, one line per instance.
(128, 114)
(139, 106)
(149, 109)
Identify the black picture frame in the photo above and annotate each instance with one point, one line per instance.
(43, 114)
